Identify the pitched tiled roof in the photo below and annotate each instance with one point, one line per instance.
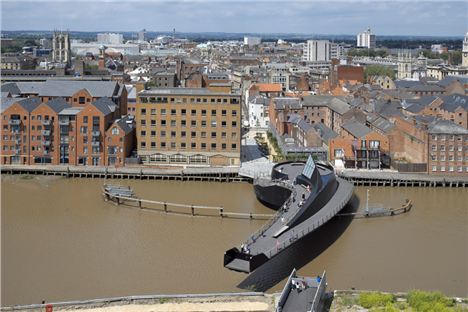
(67, 88)
(356, 129)
(105, 105)
(446, 127)
(57, 104)
(453, 101)
(269, 87)
(29, 104)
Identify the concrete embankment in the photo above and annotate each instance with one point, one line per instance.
(223, 302)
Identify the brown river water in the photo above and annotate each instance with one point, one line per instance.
(61, 241)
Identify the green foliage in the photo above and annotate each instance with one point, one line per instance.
(368, 52)
(423, 301)
(375, 299)
(378, 70)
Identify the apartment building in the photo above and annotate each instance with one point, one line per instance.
(358, 146)
(55, 132)
(185, 126)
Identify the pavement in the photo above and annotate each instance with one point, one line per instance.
(254, 163)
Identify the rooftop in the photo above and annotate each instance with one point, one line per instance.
(184, 91)
(356, 129)
(446, 127)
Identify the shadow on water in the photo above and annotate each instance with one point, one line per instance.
(300, 253)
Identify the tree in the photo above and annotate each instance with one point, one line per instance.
(378, 70)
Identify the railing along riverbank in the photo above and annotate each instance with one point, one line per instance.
(216, 174)
(193, 210)
(79, 304)
(398, 179)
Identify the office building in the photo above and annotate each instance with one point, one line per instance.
(316, 50)
(110, 38)
(252, 41)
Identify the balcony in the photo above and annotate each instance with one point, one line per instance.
(64, 122)
(96, 133)
(45, 132)
(46, 143)
(14, 122)
(95, 143)
(46, 122)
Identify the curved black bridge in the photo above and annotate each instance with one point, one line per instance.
(317, 195)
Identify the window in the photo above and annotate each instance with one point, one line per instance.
(183, 145)
(183, 123)
(233, 146)
(153, 111)
(339, 153)
(193, 145)
(234, 112)
(223, 112)
(173, 112)
(442, 157)
(163, 123)
(213, 112)
(173, 145)
(194, 112)
(193, 134)
(434, 157)
(183, 112)
(460, 148)
(203, 134)
(143, 111)
(173, 123)
(442, 168)
(163, 144)
(183, 134)
(459, 168)
(193, 123)
(234, 124)
(442, 148)
(223, 146)
(84, 129)
(143, 144)
(434, 168)
(203, 123)
(451, 168)
(82, 100)
(213, 123)
(173, 134)
(233, 135)
(163, 111)
(153, 133)
(223, 124)
(143, 122)
(153, 144)
(434, 147)
(85, 119)
(143, 133)
(163, 134)
(223, 135)
(153, 122)
(203, 112)
(451, 148)
(213, 145)
(203, 146)
(374, 144)
(213, 135)
(115, 131)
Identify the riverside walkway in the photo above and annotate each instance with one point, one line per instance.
(220, 174)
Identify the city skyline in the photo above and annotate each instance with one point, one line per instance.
(415, 18)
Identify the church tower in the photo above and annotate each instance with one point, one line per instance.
(61, 49)
(465, 51)
(404, 65)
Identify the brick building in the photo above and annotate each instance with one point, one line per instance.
(56, 132)
(184, 126)
(358, 146)
(447, 149)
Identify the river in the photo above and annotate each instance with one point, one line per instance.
(61, 241)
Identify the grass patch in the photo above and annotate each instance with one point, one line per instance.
(375, 299)
(425, 301)
(163, 300)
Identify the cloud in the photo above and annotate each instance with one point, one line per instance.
(269, 16)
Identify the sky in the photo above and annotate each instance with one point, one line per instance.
(397, 17)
